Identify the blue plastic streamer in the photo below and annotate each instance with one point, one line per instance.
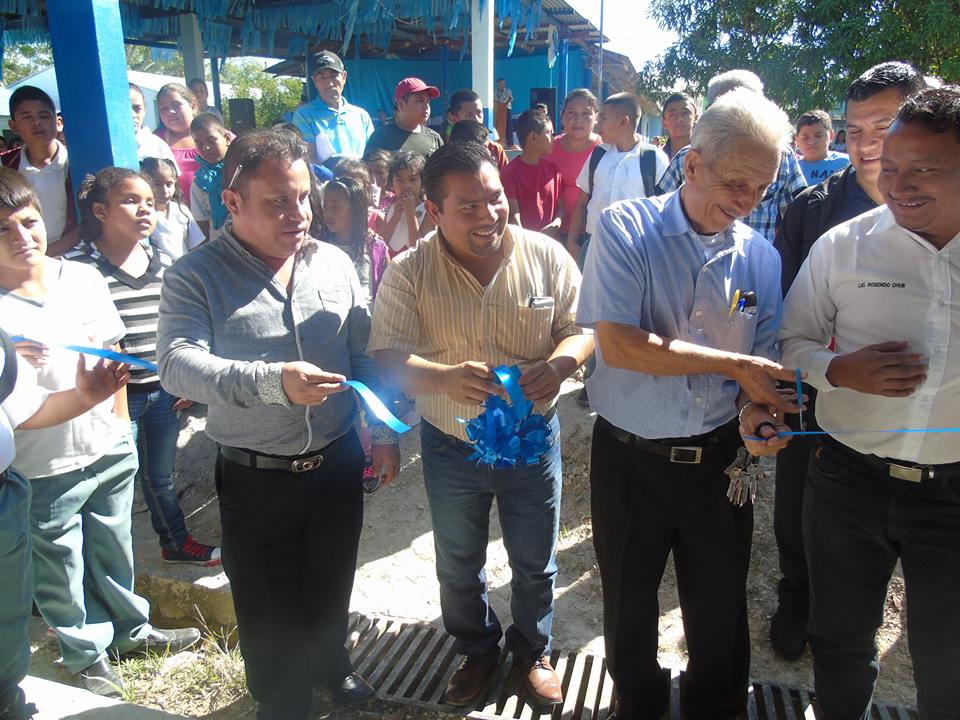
(377, 407)
(96, 352)
(507, 434)
(795, 433)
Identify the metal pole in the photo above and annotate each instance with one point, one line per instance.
(600, 58)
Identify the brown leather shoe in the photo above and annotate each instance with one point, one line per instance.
(469, 680)
(541, 681)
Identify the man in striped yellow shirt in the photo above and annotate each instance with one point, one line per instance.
(475, 295)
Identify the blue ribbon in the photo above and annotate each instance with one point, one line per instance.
(793, 433)
(507, 434)
(377, 407)
(96, 352)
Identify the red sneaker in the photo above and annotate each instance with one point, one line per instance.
(193, 553)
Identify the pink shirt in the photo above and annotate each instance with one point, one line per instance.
(570, 165)
(186, 163)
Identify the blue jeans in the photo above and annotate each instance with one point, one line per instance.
(156, 428)
(461, 493)
(857, 522)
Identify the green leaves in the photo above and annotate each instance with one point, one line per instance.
(806, 51)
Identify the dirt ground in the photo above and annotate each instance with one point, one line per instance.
(395, 574)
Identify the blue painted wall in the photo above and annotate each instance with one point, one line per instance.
(370, 83)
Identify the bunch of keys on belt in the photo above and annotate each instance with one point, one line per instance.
(744, 473)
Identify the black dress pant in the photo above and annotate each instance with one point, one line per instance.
(643, 508)
(857, 522)
(290, 551)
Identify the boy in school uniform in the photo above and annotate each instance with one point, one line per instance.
(622, 168)
(212, 139)
(42, 159)
(532, 183)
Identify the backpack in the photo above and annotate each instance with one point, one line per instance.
(648, 168)
(8, 378)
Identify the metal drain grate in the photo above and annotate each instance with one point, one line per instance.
(410, 663)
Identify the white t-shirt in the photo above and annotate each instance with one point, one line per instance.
(200, 206)
(617, 177)
(150, 145)
(177, 232)
(50, 185)
(19, 406)
(78, 311)
(400, 240)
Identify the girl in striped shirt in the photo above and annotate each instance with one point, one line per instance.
(117, 219)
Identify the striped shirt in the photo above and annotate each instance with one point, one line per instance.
(648, 269)
(137, 299)
(430, 305)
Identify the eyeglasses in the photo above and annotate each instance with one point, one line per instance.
(236, 174)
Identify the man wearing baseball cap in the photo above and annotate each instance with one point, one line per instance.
(344, 127)
(409, 131)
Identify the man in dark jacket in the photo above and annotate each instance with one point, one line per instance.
(872, 102)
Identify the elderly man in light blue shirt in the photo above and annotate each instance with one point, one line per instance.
(685, 303)
(344, 127)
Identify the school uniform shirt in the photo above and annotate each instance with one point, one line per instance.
(817, 172)
(19, 406)
(617, 177)
(430, 305)
(137, 299)
(536, 188)
(401, 240)
(200, 208)
(177, 232)
(869, 281)
(149, 145)
(49, 183)
(77, 311)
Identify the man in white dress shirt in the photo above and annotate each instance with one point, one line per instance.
(886, 285)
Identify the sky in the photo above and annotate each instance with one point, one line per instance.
(624, 22)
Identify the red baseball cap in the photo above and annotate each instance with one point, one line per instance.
(412, 85)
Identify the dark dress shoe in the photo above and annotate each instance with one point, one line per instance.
(540, 680)
(469, 681)
(353, 689)
(14, 706)
(169, 642)
(788, 634)
(101, 679)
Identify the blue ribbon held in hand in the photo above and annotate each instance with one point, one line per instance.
(380, 411)
(95, 352)
(507, 434)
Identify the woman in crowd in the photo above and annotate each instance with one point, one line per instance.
(572, 148)
(178, 106)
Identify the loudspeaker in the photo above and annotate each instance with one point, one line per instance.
(243, 117)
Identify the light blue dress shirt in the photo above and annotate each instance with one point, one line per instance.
(647, 268)
(347, 128)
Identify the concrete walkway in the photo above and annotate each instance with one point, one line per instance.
(56, 701)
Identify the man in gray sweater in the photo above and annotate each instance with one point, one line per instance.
(263, 325)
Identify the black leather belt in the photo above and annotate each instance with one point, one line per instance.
(899, 469)
(685, 451)
(251, 459)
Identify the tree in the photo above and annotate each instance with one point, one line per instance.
(20, 61)
(806, 51)
(272, 96)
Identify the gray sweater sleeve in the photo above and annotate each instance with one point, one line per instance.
(188, 367)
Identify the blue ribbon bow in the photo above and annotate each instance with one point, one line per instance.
(507, 434)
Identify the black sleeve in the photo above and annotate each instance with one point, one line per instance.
(789, 240)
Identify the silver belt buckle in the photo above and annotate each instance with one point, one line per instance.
(686, 455)
(902, 472)
(306, 464)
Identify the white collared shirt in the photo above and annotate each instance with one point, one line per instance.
(617, 177)
(869, 281)
(50, 185)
